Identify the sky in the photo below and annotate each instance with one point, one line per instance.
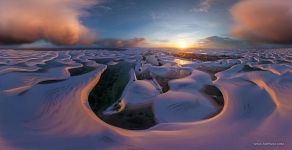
(147, 23)
(163, 22)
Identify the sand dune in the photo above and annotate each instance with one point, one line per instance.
(256, 89)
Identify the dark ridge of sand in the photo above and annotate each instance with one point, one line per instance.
(282, 62)
(102, 60)
(251, 82)
(51, 81)
(204, 57)
(247, 68)
(266, 62)
(214, 93)
(22, 93)
(80, 70)
(132, 118)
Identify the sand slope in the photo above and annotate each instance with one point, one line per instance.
(56, 115)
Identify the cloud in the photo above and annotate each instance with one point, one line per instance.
(37, 44)
(119, 43)
(228, 43)
(268, 21)
(204, 6)
(105, 8)
(56, 21)
(222, 42)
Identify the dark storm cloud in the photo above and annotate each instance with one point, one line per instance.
(57, 21)
(120, 43)
(267, 21)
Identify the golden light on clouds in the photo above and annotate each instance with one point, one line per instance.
(56, 21)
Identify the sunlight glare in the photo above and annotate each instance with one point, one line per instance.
(182, 44)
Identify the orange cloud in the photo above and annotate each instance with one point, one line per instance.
(263, 20)
(57, 21)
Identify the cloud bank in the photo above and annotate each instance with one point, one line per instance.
(119, 43)
(218, 42)
(56, 21)
(222, 42)
(268, 21)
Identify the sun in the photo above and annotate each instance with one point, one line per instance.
(182, 44)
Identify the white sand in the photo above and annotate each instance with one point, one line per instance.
(258, 104)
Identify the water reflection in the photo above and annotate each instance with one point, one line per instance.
(182, 61)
